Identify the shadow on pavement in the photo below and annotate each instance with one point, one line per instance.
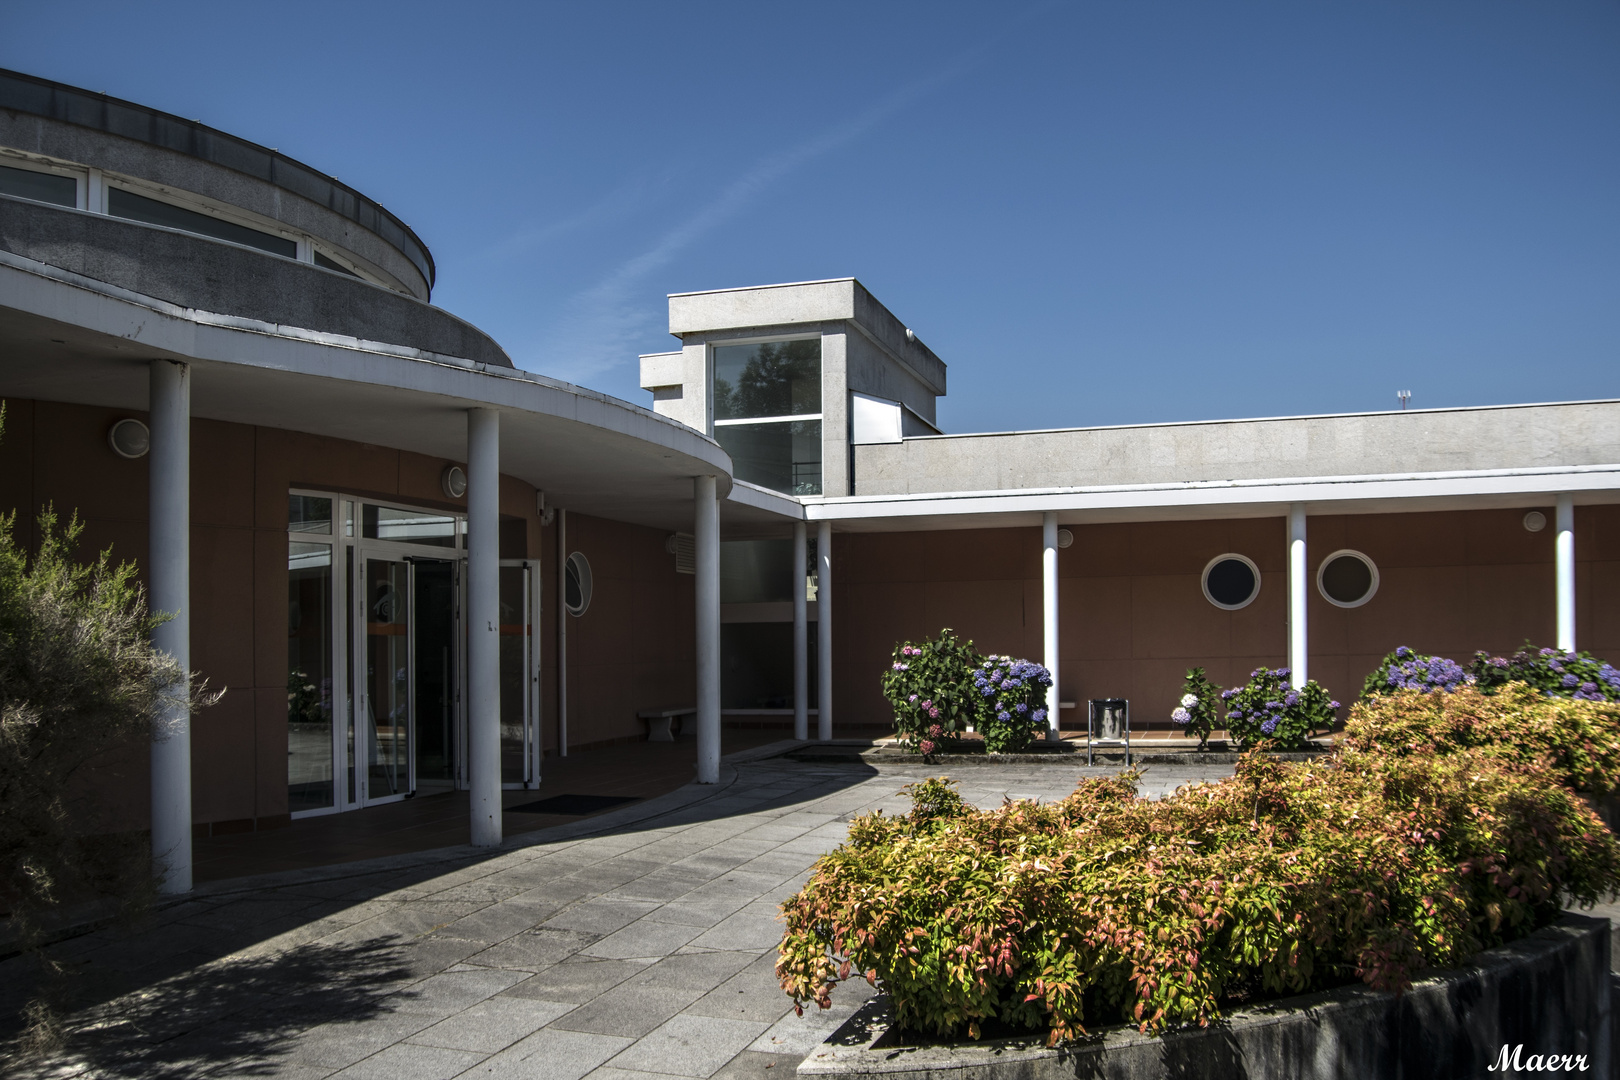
(172, 989)
(243, 1013)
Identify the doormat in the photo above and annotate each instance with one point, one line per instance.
(574, 805)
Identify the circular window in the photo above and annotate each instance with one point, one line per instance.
(129, 438)
(577, 583)
(1231, 581)
(1347, 578)
(454, 482)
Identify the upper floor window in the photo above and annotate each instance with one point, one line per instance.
(127, 204)
(48, 187)
(771, 379)
(767, 412)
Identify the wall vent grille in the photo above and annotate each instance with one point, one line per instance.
(684, 547)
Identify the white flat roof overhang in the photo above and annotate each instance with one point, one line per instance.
(1204, 500)
(72, 339)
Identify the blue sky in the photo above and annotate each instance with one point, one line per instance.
(1094, 213)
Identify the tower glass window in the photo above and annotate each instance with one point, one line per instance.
(767, 412)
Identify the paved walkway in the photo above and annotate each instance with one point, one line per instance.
(635, 945)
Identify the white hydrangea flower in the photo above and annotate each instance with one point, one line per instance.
(1189, 700)
(1181, 716)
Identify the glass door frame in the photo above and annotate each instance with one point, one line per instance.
(531, 674)
(341, 706)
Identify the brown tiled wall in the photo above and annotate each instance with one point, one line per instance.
(1134, 617)
(632, 650)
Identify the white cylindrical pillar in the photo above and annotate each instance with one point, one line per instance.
(1298, 592)
(1564, 567)
(562, 633)
(801, 634)
(706, 539)
(169, 581)
(1049, 616)
(484, 625)
(824, 666)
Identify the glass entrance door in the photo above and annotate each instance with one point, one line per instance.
(435, 692)
(520, 676)
(385, 708)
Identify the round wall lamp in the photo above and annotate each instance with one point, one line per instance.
(1065, 538)
(454, 482)
(1535, 521)
(129, 438)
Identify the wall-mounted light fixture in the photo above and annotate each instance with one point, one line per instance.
(1065, 538)
(1535, 521)
(453, 481)
(129, 438)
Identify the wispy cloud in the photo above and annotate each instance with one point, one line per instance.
(602, 323)
(621, 202)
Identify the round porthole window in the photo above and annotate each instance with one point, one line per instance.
(1347, 578)
(129, 438)
(453, 481)
(577, 584)
(1231, 581)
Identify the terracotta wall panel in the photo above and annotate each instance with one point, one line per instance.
(222, 610)
(221, 473)
(17, 466)
(224, 760)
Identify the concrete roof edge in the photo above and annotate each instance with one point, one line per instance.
(1511, 480)
(758, 288)
(631, 412)
(1268, 419)
(762, 498)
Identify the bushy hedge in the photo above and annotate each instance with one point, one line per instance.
(1578, 741)
(1105, 906)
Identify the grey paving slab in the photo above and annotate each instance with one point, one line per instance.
(451, 991)
(629, 1009)
(550, 1054)
(643, 938)
(491, 1025)
(578, 980)
(407, 1062)
(601, 916)
(756, 926)
(689, 1046)
(532, 950)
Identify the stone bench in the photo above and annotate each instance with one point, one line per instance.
(661, 722)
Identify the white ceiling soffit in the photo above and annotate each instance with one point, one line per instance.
(68, 338)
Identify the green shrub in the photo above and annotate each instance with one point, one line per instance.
(1012, 702)
(1268, 709)
(1285, 878)
(929, 686)
(1555, 672)
(1578, 741)
(78, 679)
(1197, 710)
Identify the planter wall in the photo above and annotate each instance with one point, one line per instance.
(1548, 992)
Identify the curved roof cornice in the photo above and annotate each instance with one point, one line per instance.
(31, 94)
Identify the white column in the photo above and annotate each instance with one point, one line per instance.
(824, 665)
(484, 625)
(1298, 591)
(169, 579)
(562, 633)
(1049, 610)
(1564, 556)
(801, 634)
(706, 539)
